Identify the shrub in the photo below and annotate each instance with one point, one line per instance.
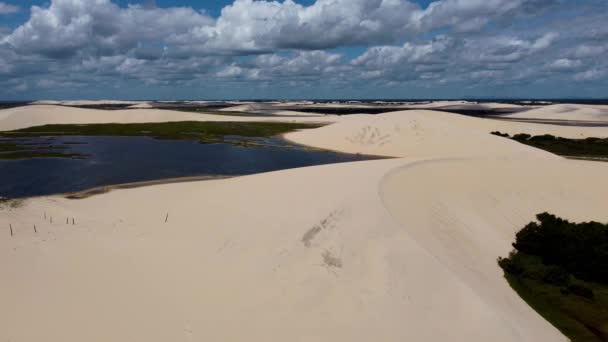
(581, 291)
(504, 135)
(521, 137)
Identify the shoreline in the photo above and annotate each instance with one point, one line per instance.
(104, 189)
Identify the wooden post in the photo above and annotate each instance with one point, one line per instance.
(35, 231)
(45, 215)
(67, 221)
(11, 227)
(73, 221)
(167, 218)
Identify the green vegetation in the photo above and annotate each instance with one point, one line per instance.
(39, 154)
(187, 130)
(103, 106)
(592, 148)
(560, 269)
(26, 150)
(10, 147)
(8, 203)
(14, 144)
(210, 111)
(7, 105)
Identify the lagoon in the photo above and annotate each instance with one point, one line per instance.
(117, 160)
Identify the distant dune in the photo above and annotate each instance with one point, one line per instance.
(37, 115)
(399, 249)
(573, 112)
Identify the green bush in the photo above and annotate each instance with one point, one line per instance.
(580, 249)
(560, 269)
(581, 291)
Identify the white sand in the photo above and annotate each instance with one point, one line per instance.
(571, 112)
(85, 102)
(423, 134)
(28, 116)
(385, 250)
(143, 105)
(463, 105)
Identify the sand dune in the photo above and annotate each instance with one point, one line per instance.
(571, 112)
(423, 133)
(463, 105)
(143, 105)
(86, 102)
(391, 250)
(466, 212)
(315, 258)
(37, 115)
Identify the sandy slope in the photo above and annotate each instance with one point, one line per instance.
(27, 116)
(423, 133)
(235, 254)
(385, 250)
(575, 112)
(466, 212)
(463, 105)
(36, 115)
(143, 105)
(85, 102)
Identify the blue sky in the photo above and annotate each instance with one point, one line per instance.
(168, 49)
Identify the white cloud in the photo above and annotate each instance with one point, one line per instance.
(261, 26)
(565, 64)
(591, 75)
(245, 26)
(302, 64)
(98, 26)
(277, 43)
(8, 8)
(586, 51)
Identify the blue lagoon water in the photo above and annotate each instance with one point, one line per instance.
(118, 160)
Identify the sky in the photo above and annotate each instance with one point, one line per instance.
(303, 49)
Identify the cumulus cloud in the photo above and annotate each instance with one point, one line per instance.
(302, 64)
(245, 26)
(281, 43)
(261, 26)
(68, 27)
(565, 64)
(591, 75)
(8, 8)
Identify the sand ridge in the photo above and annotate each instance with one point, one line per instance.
(568, 112)
(37, 115)
(390, 250)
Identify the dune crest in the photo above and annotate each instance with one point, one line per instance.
(568, 112)
(390, 250)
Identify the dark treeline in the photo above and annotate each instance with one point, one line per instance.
(561, 269)
(589, 147)
(580, 249)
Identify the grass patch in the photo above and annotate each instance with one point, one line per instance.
(11, 147)
(103, 106)
(11, 203)
(595, 148)
(211, 112)
(39, 154)
(7, 105)
(14, 144)
(186, 130)
(560, 269)
(26, 150)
